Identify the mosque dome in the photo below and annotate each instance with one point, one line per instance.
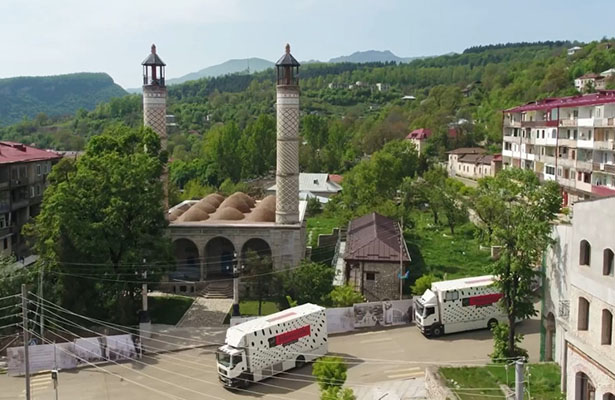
(236, 202)
(227, 213)
(193, 214)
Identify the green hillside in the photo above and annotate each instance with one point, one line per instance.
(25, 97)
(228, 67)
(226, 125)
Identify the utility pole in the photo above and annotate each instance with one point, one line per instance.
(24, 312)
(519, 383)
(145, 324)
(40, 294)
(401, 259)
(236, 287)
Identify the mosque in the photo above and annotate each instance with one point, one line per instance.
(213, 235)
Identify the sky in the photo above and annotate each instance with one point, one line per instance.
(49, 37)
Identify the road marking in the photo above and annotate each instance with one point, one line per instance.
(369, 333)
(385, 339)
(407, 375)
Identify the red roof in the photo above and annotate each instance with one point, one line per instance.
(336, 178)
(374, 237)
(467, 150)
(419, 134)
(601, 97)
(11, 152)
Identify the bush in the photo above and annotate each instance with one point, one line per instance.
(330, 372)
(313, 206)
(422, 284)
(345, 296)
(336, 393)
(500, 344)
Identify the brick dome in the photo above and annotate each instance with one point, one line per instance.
(236, 202)
(206, 205)
(193, 214)
(261, 214)
(227, 213)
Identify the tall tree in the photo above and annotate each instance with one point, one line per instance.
(522, 228)
(101, 217)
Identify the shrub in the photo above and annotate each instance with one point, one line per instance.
(422, 284)
(500, 344)
(345, 296)
(330, 372)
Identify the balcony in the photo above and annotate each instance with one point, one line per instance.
(511, 139)
(584, 165)
(567, 183)
(507, 153)
(15, 205)
(604, 145)
(565, 162)
(568, 122)
(604, 122)
(585, 144)
(604, 167)
(567, 142)
(19, 182)
(7, 230)
(512, 124)
(586, 122)
(533, 124)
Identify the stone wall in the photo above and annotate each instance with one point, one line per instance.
(435, 388)
(385, 284)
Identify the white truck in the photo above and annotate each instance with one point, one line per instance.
(459, 305)
(269, 345)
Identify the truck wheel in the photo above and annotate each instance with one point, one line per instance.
(436, 331)
(492, 323)
(300, 362)
(245, 380)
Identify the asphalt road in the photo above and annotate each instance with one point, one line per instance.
(373, 356)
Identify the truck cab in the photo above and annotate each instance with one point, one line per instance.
(427, 314)
(232, 366)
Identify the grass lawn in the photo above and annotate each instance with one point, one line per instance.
(250, 307)
(434, 250)
(168, 309)
(543, 384)
(320, 224)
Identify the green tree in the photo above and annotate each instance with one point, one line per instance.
(422, 284)
(101, 217)
(310, 283)
(345, 296)
(336, 393)
(501, 344)
(522, 228)
(258, 275)
(330, 372)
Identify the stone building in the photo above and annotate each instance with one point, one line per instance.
(375, 257)
(214, 234)
(579, 301)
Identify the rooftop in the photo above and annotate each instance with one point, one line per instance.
(315, 182)
(600, 97)
(463, 283)
(12, 152)
(374, 237)
(478, 159)
(419, 134)
(468, 150)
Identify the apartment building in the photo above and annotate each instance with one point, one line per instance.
(579, 301)
(23, 179)
(568, 139)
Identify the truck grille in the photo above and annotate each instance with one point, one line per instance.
(221, 371)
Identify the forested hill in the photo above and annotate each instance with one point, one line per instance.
(54, 95)
(345, 115)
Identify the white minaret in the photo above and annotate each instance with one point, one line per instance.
(287, 166)
(155, 107)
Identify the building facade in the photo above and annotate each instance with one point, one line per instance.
(23, 179)
(569, 140)
(472, 163)
(375, 257)
(579, 301)
(419, 138)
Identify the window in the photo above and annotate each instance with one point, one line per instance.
(31, 191)
(38, 169)
(38, 190)
(549, 170)
(584, 388)
(607, 262)
(583, 314)
(5, 243)
(430, 311)
(370, 276)
(451, 296)
(585, 253)
(608, 396)
(607, 327)
(574, 134)
(2, 221)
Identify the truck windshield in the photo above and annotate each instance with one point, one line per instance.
(419, 307)
(223, 358)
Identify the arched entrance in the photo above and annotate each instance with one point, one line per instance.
(550, 337)
(219, 258)
(188, 263)
(255, 247)
(584, 388)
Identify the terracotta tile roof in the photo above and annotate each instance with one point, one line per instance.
(336, 178)
(476, 159)
(12, 152)
(419, 134)
(374, 237)
(468, 150)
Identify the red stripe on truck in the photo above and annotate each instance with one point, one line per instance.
(292, 336)
(485, 299)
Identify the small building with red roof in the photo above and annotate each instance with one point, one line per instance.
(473, 163)
(419, 138)
(23, 179)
